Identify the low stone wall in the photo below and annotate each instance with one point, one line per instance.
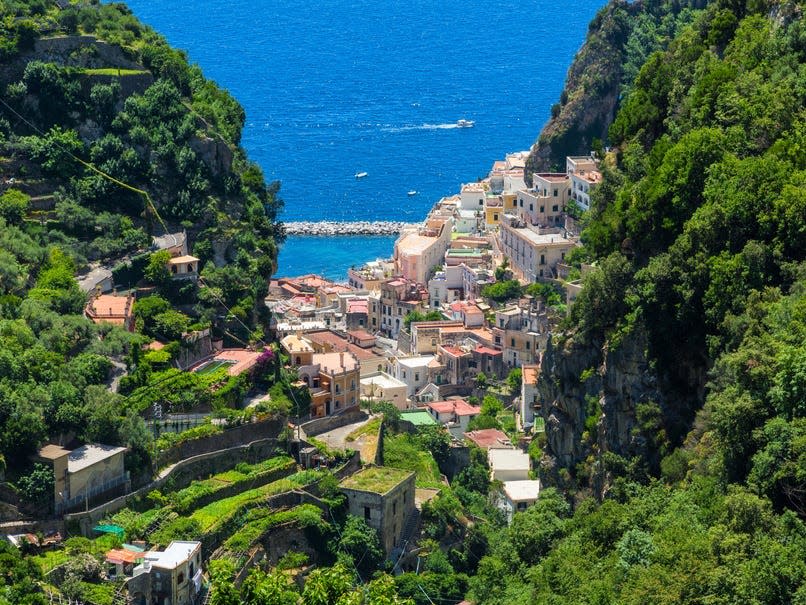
(180, 476)
(328, 423)
(347, 228)
(254, 482)
(245, 433)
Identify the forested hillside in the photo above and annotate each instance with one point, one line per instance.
(675, 396)
(107, 138)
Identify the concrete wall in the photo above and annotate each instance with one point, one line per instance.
(322, 425)
(235, 436)
(180, 476)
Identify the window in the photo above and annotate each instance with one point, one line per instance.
(512, 342)
(366, 513)
(481, 202)
(394, 507)
(542, 260)
(498, 340)
(417, 377)
(337, 389)
(404, 373)
(542, 209)
(521, 201)
(495, 217)
(555, 193)
(531, 207)
(180, 578)
(555, 208)
(528, 345)
(433, 342)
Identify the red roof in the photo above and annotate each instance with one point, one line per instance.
(119, 555)
(455, 406)
(487, 438)
(455, 351)
(488, 351)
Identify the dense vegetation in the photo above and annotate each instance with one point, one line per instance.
(620, 38)
(698, 234)
(102, 145)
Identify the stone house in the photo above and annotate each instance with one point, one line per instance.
(384, 498)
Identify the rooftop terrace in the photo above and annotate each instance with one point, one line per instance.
(376, 479)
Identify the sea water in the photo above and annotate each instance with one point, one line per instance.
(334, 88)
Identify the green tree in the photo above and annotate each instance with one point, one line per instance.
(36, 488)
(157, 271)
(360, 542)
(13, 206)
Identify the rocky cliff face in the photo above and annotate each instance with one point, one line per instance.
(591, 394)
(588, 102)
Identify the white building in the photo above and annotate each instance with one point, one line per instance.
(529, 396)
(380, 386)
(471, 196)
(533, 252)
(517, 496)
(585, 176)
(413, 371)
(508, 465)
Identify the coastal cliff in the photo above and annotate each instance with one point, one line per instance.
(620, 38)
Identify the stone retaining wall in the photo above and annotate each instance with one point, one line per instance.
(180, 476)
(245, 433)
(328, 423)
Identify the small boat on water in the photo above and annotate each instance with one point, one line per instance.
(360, 175)
(412, 192)
(465, 123)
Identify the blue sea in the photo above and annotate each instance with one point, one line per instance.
(332, 88)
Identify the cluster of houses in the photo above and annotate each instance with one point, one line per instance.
(364, 339)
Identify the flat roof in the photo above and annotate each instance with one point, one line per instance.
(292, 342)
(530, 373)
(418, 418)
(383, 380)
(90, 454)
(53, 452)
(541, 239)
(501, 459)
(419, 361)
(526, 489)
(183, 259)
(109, 304)
(376, 479)
(177, 552)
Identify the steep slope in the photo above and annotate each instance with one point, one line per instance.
(620, 38)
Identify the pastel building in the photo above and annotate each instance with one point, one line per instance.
(111, 309)
(585, 177)
(333, 379)
(419, 251)
(169, 577)
(380, 386)
(533, 252)
(508, 465)
(529, 395)
(455, 414)
(518, 495)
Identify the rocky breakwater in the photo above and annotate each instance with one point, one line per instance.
(346, 228)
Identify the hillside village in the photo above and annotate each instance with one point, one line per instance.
(444, 339)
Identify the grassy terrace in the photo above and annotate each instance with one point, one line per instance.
(208, 519)
(377, 479)
(400, 451)
(259, 521)
(185, 499)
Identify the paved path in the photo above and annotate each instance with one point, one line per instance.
(337, 437)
